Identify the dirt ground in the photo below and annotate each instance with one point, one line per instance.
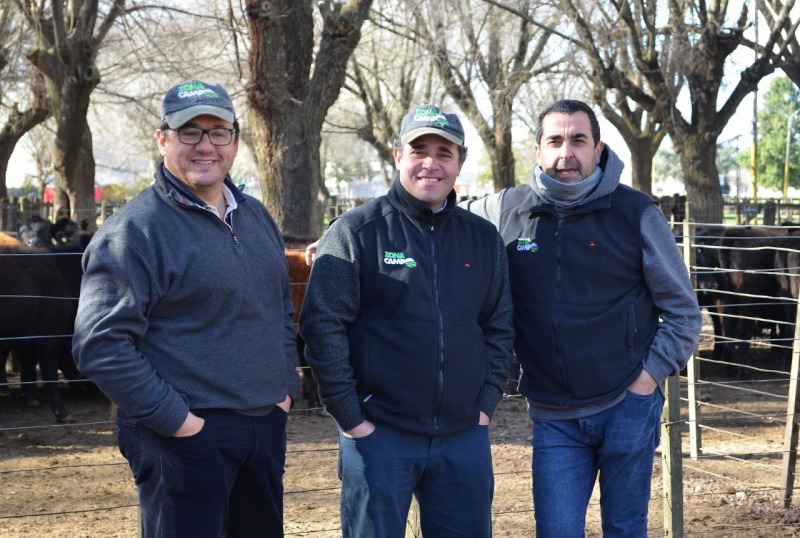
(70, 481)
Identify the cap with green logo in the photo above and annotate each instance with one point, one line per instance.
(429, 119)
(193, 98)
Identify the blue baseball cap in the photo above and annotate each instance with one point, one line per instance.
(429, 119)
(193, 98)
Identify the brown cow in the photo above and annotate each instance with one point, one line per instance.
(299, 273)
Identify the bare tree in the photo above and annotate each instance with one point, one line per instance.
(641, 129)
(290, 102)
(69, 39)
(388, 74)
(688, 49)
(22, 95)
(786, 52)
(39, 144)
(149, 49)
(481, 53)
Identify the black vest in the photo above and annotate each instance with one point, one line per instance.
(583, 314)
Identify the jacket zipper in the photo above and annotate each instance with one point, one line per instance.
(440, 328)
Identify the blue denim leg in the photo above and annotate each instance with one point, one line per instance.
(564, 471)
(451, 476)
(455, 494)
(226, 480)
(379, 473)
(632, 434)
(618, 444)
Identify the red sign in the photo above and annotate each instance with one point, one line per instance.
(50, 194)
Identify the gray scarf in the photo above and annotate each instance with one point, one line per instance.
(564, 195)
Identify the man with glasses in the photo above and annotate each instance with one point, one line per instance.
(185, 322)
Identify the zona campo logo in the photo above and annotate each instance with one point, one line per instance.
(431, 116)
(525, 244)
(398, 258)
(196, 88)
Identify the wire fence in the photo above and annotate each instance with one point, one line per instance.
(735, 413)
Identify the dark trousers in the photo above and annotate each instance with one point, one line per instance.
(225, 481)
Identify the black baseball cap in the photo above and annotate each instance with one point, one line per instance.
(429, 119)
(193, 98)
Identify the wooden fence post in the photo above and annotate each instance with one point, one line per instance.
(693, 366)
(671, 459)
(790, 436)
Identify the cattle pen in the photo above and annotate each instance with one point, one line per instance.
(726, 465)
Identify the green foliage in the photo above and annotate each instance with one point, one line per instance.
(780, 101)
(115, 192)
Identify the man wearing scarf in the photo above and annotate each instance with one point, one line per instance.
(604, 312)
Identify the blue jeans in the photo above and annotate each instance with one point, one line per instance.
(618, 444)
(451, 476)
(225, 481)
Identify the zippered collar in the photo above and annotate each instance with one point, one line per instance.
(175, 190)
(406, 203)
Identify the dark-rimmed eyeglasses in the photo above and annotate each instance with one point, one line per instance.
(219, 136)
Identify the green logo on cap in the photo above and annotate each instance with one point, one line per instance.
(430, 115)
(196, 89)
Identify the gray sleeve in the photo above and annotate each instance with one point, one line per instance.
(331, 304)
(487, 207)
(116, 292)
(668, 280)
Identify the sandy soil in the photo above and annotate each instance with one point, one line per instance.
(71, 481)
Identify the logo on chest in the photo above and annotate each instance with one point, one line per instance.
(524, 244)
(398, 258)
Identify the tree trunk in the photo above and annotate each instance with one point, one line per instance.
(287, 152)
(699, 164)
(68, 45)
(642, 152)
(502, 153)
(289, 107)
(73, 160)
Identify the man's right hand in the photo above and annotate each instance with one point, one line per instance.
(362, 430)
(191, 426)
(311, 251)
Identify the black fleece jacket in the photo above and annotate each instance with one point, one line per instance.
(407, 317)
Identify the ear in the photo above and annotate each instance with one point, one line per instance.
(598, 151)
(397, 156)
(162, 141)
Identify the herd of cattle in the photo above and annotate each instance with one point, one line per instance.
(746, 277)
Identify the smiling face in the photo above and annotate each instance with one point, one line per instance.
(428, 166)
(203, 166)
(567, 151)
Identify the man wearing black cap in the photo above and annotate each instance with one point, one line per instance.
(407, 322)
(185, 322)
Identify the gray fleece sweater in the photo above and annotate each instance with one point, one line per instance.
(178, 311)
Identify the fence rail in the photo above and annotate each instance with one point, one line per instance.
(729, 447)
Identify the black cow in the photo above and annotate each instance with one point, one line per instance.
(747, 257)
(299, 274)
(41, 233)
(37, 313)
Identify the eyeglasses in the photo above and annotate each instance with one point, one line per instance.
(218, 136)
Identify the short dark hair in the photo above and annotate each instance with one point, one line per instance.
(462, 150)
(569, 106)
